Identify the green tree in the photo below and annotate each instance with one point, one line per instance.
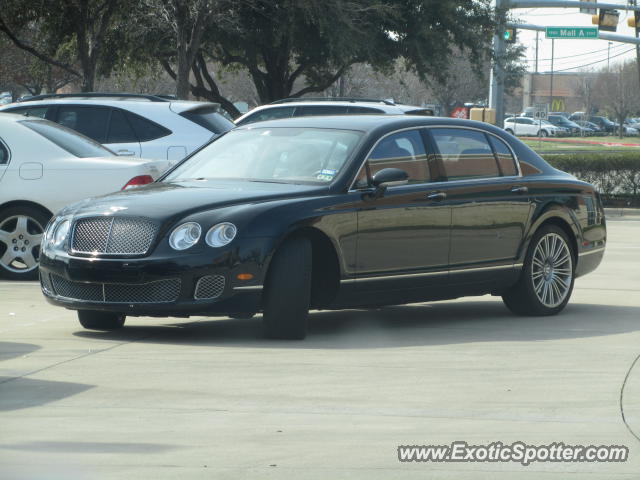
(80, 26)
(292, 48)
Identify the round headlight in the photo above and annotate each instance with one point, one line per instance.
(221, 234)
(60, 233)
(185, 236)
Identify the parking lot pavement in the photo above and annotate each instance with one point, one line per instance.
(207, 398)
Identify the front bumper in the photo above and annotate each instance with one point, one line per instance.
(203, 282)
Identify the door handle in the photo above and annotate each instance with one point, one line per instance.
(436, 196)
(126, 153)
(519, 189)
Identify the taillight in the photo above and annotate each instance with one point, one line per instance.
(138, 181)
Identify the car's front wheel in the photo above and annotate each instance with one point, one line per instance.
(95, 320)
(546, 282)
(542, 133)
(21, 230)
(287, 291)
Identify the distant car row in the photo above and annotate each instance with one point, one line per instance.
(562, 124)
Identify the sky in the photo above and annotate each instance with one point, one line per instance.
(570, 54)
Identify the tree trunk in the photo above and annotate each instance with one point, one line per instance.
(182, 74)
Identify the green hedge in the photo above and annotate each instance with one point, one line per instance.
(616, 175)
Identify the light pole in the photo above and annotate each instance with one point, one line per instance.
(496, 91)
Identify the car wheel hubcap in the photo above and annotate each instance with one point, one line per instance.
(551, 270)
(20, 239)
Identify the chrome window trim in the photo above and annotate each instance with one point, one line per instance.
(423, 127)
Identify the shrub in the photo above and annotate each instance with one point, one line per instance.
(615, 175)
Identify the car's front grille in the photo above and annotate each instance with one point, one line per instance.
(209, 287)
(159, 291)
(113, 235)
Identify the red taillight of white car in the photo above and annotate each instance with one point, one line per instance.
(138, 181)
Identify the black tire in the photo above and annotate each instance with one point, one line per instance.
(95, 320)
(509, 131)
(18, 268)
(522, 298)
(287, 291)
(542, 133)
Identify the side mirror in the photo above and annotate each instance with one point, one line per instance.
(384, 177)
(389, 175)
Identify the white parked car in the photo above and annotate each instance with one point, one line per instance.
(43, 167)
(132, 125)
(530, 127)
(305, 107)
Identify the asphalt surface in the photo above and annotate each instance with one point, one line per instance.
(207, 398)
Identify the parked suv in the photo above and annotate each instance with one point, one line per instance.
(532, 128)
(131, 125)
(304, 107)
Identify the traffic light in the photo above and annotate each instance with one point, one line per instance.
(607, 20)
(634, 22)
(510, 35)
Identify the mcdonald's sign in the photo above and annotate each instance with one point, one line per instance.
(558, 105)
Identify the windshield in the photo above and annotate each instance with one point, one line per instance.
(68, 139)
(281, 155)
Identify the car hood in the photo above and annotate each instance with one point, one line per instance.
(163, 201)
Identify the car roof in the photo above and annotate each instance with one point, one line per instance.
(368, 123)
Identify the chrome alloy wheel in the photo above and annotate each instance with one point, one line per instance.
(551, 270)
(20, 237)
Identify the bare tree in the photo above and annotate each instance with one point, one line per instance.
(617, 92)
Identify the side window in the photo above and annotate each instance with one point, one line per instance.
(40, 112)
(4, 154)
(119, 129)
(364, 110)
(404, 150)
(506, 162)
(465, 154)
(146, 130)
(320, 110)
(89, 121)
(269, 114)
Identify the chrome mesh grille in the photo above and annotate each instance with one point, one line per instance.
(88, 292)
(209, 287)
(160, 291)
(113, 235)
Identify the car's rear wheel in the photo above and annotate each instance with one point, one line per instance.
(21, 230)
(287, 291)
(546, 282)
(542, 133)
(96, 320)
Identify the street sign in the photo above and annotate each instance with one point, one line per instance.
(590, 11)
(540, 111)
(572, 32)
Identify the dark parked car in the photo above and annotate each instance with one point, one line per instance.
(603, 123)
(564, 122)
(329, 213)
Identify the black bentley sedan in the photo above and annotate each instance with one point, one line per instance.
(284, 216)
